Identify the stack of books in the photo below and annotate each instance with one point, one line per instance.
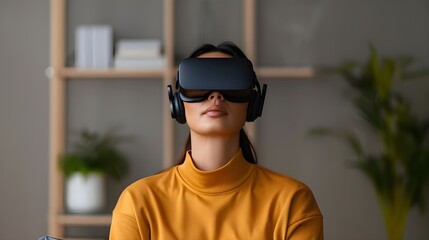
(139, 54)
(93, 46)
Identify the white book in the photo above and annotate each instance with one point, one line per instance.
(83, 47)
(138, 48)
(137, 54)
(102, 46)
(139, 63)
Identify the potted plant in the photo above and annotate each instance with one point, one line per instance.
(400, 172)
(93, 157)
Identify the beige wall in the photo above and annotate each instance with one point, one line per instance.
(293, 33)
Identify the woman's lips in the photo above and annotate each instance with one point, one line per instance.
(214, 111)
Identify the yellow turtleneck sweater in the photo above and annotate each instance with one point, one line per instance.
(237, 201)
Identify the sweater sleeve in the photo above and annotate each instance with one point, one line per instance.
(125, 224)
(310, 228)
(304, 218)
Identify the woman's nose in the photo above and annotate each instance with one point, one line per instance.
(216, 96)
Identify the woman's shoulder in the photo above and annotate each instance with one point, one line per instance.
(138, 193)
(155, 181)
(285, 188)
(279, 180)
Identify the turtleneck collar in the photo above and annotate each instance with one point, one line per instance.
(226, 178)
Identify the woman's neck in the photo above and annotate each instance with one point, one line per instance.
(210, 153)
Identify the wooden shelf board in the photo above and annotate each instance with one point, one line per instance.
(84, 238)
(85, 220)
(285, 72)
(263, 72)
(111, 73)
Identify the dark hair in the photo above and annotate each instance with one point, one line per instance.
(231, 49)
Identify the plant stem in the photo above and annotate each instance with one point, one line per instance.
(395, 211)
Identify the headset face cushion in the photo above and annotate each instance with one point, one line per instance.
(238, 96)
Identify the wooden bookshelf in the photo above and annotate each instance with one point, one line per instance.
(59, 74)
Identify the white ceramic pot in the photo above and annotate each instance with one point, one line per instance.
(85, 194)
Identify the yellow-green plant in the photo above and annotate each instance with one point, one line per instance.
(400, 172)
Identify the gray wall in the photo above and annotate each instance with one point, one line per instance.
(293, 33)
(24, 54)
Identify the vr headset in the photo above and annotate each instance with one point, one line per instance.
(234, 78)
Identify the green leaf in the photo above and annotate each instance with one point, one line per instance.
(94, 152)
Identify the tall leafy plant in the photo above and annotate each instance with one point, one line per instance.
(400, 172)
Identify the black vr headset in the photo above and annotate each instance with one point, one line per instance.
(234, 78)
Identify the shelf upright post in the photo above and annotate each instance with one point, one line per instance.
(250, 49)
(249, 27)
(56, 135)
(169, 73)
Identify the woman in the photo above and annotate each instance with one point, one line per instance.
(217, 191)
